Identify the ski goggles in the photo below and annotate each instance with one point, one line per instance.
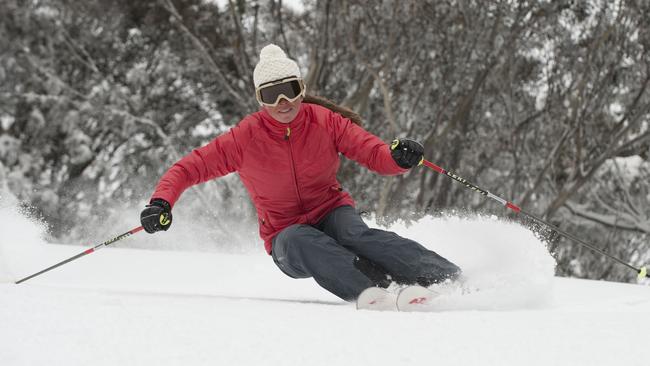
(291, 89)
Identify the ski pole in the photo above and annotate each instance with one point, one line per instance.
(86, 252)
(642, 272)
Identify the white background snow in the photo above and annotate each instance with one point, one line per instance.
(151, 307)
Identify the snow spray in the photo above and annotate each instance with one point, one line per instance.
(505, 266)
(21, 237)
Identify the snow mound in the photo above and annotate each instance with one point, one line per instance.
(505, 266)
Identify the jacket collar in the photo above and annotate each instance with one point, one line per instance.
(280, 129)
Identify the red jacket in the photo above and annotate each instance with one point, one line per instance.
(289, 169)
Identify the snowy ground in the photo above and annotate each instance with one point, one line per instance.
(146, 307)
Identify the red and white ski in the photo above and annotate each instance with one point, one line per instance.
(415, 298)
(376, 298)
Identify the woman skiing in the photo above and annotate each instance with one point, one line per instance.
(287, 156)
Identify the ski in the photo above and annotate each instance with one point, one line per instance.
(376, 298)
(415, 298)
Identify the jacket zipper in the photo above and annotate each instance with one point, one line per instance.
(293, 169)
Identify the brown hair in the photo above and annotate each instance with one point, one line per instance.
(324, 102)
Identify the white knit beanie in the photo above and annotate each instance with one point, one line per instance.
(274, 65)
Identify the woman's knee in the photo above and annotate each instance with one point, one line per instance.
(286, 252)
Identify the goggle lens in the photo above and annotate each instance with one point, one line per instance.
(290, 89)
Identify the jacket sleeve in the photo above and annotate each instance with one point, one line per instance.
(363, 147)
(218, 158)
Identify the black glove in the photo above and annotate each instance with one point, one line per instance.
(407, 153)
(156, 216)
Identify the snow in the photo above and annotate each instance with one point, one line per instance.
(628, 167)
(297, 6)
(142, 307)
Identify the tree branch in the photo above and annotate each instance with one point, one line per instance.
(244, 104)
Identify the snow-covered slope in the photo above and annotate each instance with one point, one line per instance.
(146, 307)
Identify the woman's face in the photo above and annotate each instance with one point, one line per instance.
(285, 111)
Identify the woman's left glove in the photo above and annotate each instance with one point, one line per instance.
(407, 153)
(156, 216)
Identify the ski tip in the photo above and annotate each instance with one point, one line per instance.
(415, 298)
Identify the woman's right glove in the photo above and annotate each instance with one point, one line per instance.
(407, 153)
(156, 216)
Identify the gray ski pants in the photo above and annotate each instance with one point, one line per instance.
(334, 250)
